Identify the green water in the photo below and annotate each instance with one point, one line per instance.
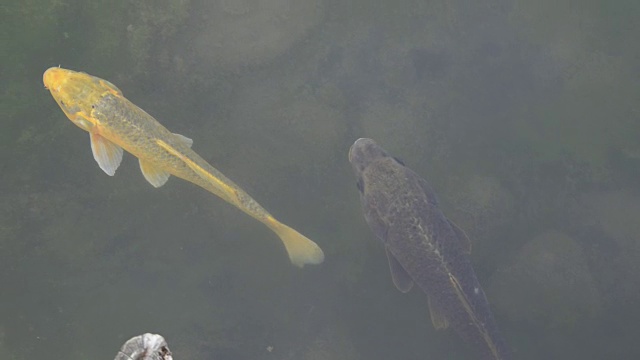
(523, 115)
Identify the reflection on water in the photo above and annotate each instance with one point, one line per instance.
(523, 115)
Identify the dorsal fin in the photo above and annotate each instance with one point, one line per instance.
(220, 187)
(432, 198)
(183, 140)
(462, 237)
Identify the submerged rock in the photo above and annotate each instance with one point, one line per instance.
(548, 282)
(331, 344)
(613, 232)
(236, 33)
(480, 205)
(145, 347)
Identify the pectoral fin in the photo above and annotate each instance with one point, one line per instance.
(107, 154)
(157, 177)
(437, 316)
(462, 237)
(399, 275)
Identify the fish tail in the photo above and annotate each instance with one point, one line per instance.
(301, 250)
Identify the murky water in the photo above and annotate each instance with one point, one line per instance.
(522, 114)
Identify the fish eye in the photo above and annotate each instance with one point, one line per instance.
(93, 106)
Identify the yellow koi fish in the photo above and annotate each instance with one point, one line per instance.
(115, 123)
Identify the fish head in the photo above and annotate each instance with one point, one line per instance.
(368, 159)
(363, 152)
(379, 179)
(77, 93)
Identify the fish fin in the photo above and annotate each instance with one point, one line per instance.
(301, 250)
(156, 177)
(399, 275)
(467, 304)
(112, 88)
(462, 236)
(464, 300)
(432, 198)
(225, 191)
(107, 154)
(183, 140)
(437, 316)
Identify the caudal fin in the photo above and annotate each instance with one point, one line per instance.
(301, 250)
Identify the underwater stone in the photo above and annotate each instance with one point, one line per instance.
(548, 282)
